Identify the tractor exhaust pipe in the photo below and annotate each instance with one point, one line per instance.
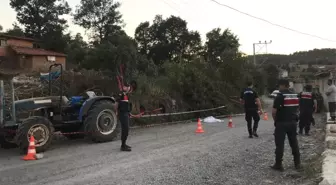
(61, 83)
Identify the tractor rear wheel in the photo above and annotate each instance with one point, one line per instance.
(42, 130)
(101, 122)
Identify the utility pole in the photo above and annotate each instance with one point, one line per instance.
(262, 44)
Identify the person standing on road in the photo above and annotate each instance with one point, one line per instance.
(308, 105)
(252, 104)
(284, 113)
(331, 95)
(124, 110)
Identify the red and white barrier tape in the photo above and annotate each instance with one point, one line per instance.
(143, 113)
(175, 113)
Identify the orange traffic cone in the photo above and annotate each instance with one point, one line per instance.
(199, 127)
(230, 124)
(31, 154)
(265, 116)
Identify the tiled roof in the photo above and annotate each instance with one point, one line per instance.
(15, 37)
(35, 51)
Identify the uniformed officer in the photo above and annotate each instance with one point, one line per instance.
(252, 104)
(284, 113)
(308, 105)
(124, 110)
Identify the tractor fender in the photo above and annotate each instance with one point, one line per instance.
(89, 102)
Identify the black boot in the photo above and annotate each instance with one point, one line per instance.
(255, 134)
(125, 148)
(278, 167)
(301, 131)
(307, 129)
(297, 163)
(250, 133)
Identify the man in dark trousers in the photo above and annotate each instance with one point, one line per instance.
(124, 110)
(308, 105)
(252, 104)
(284, 113)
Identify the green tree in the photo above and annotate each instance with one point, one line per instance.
(143, 36)
(77, 50)
(272, 73)
(118, 49)
(1, 28)
(101, 17)
(15, 31)
(220, 46)
(42, 20)
(110, 44)
(168, 40)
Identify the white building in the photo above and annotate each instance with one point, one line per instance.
(283, 73)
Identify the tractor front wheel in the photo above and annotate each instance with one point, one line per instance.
(6, 139)
(39, 127)
(101, 122)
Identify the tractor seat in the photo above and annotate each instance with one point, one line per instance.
(65, 100)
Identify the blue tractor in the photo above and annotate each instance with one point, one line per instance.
(76, 117)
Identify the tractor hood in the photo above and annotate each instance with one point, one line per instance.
(36, 103)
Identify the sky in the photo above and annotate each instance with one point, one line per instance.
(309, 16)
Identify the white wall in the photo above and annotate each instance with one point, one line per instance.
(298, 87)
(323, 86)
(284, 73)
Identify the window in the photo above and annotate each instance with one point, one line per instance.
(51, 58)
(35, 45)
(3, 43)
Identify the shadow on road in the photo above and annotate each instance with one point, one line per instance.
(59, 142)
(7, 153)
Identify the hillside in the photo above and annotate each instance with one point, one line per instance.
(325, 56)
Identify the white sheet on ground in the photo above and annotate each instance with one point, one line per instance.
(211, 119)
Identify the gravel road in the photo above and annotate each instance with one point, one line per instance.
(167, 155)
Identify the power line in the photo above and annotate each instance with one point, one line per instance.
(172, 7)
(177, 9)
(274, 24)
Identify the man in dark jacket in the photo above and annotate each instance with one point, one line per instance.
(308, 105)
(284, 113)
(252, 104)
